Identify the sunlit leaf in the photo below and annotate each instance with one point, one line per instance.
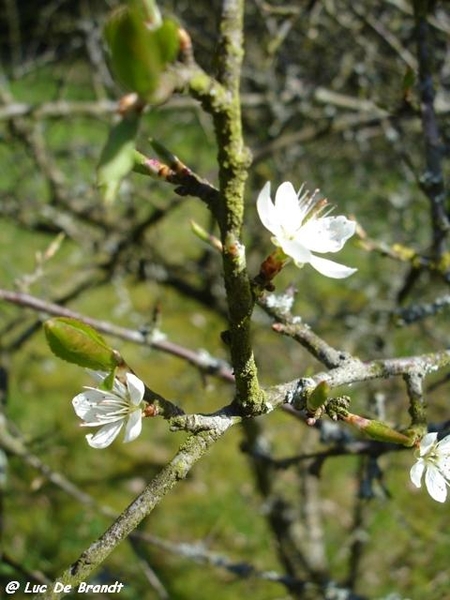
(139, 50)
(80, 344)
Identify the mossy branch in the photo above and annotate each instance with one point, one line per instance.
(234, 160)
(220, 97)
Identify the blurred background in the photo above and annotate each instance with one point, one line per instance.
(330, 98)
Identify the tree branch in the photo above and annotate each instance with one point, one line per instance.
(176, 470)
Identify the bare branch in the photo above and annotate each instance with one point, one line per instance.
(201, 360)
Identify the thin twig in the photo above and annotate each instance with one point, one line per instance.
(177, 469)
(201, 360)
(432, 179)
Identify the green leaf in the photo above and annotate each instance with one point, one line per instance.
(117, 158)
(318, 396)
(148, 10)
(80, 344)
(140, 49)
(108, 382)
(167, 40)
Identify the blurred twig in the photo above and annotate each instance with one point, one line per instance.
(201, 360)
(176, 470)
(199, 553)
(14, 444)
(432, 180)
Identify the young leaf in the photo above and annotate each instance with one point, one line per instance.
(149, 11)
(318, 396)
(117, 158)
(140, 50)
(167, 40)
(80, 344)
(377, 430)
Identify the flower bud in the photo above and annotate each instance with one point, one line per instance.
(377, 430)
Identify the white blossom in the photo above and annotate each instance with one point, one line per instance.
(434, 462)
(299, 229)
(111, 410)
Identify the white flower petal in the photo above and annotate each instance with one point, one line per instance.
(85, 404)
(296, 250)
(81, 406)
(436, 484)
(105, 435)
(326, 234)
(136, 388)
(427, 442)
(444, 446)
(443, 462)
(416, 472)
(329, 268)
(266, 210)
(133, 427)
(119, 388)
(97, 375)
(97, 407)
(287, 207)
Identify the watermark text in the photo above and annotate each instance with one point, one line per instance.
(12, 587)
